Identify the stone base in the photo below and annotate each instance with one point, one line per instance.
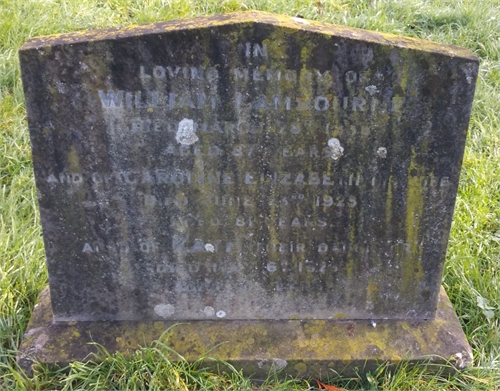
(299, 348)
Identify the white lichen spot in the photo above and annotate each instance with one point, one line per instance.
(372, 90)
(382, 152)
(60, 87)
(300, 20)
(209, 247)
(164, 310)
(336, 149)
(209, 311)
(185, 132)
(469, 71)
(279, 363)
(221, 314)
(458, 358)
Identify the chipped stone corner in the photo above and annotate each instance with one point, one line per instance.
(462, 360)
(33, 345)
(279, 364)
(26, 364)
(272, 365)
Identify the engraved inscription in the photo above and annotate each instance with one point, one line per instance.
(245, 170)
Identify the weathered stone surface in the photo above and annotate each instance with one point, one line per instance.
(245, 166)
(297, 348)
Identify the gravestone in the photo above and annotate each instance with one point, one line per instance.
(283, 185)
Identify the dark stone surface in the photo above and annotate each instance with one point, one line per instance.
(296, 347)
(245, 166)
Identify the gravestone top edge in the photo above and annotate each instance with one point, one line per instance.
(260, 17)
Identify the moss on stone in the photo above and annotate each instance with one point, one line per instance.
(310, 348)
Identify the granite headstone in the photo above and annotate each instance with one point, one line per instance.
(246, 167)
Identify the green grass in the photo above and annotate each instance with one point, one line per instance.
(472, 272)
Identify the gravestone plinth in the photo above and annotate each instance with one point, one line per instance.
(283, 185)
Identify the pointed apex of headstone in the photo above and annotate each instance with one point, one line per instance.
(288, 23)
